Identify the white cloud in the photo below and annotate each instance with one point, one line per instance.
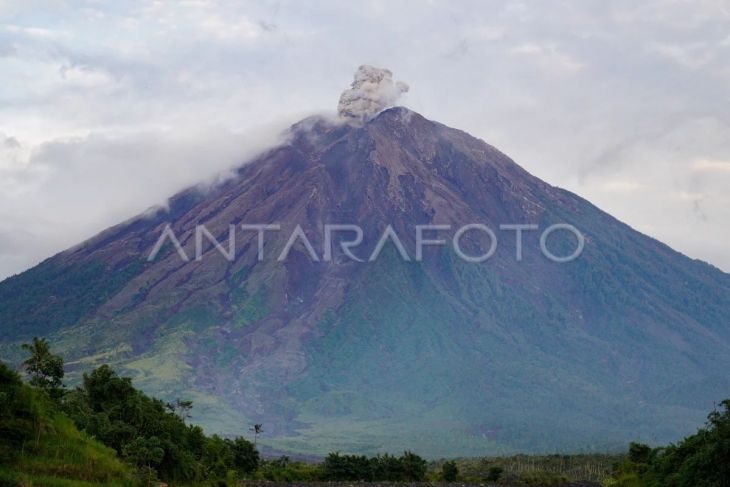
(623, 186)
(37, 32)
(548, 57)
(85, 77)
(241, 29)
(691, 56)
(68, 189)
(709, 165)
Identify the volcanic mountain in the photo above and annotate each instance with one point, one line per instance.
(630, 340)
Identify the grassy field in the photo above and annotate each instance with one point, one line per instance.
(61, 455)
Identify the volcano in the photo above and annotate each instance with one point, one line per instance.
(629, 340)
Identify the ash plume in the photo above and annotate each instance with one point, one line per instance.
(372, 91)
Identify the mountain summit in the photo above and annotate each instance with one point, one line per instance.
(438, 354)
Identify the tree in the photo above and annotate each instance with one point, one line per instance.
(700, 460)
(257, 430)
(19, 413)
(218, 457)
(144, 452)
(386, 467)
(45, 369)
(245, 455)
(449, 472)
(640, 456)
(348, 467)
(414, 467)
(182, 408)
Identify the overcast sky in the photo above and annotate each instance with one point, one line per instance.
(107, 108)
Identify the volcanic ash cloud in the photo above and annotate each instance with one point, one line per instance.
(372, 91)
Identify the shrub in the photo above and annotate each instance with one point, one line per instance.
(449, 472)
(494, 474)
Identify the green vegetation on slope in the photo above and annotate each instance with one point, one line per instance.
(153, 435)
(45, 432)
(398, 365)
(52, 296)
(40, 446)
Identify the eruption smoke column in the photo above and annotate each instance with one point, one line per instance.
(372, 91)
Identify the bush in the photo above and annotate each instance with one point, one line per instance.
(494, 474)
(449, 472)
(9, 479)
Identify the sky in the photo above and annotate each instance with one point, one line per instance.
(108, 108)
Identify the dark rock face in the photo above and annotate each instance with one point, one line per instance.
(630, 340)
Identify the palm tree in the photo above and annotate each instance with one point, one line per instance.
(257, 430)
(183, 409)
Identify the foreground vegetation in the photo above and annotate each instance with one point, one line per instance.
(40, 446)
(106, 432)
(700, 460)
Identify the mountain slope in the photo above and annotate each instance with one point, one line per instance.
(443, 356)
